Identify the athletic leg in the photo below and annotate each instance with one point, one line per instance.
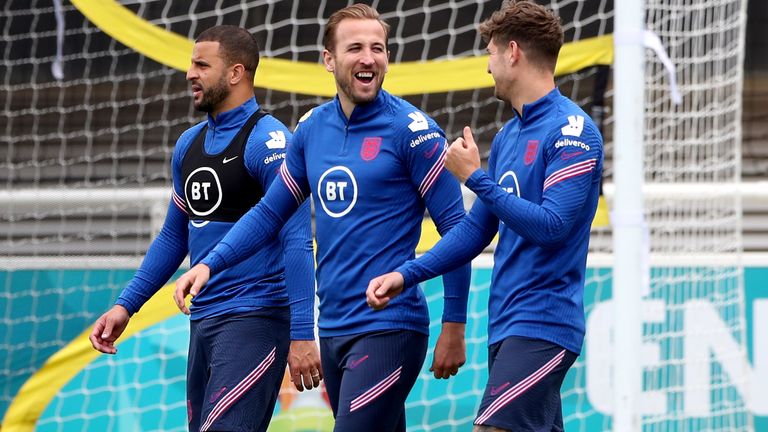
(247, 362)
(523, 390)
(332, 371)
(197, 375)
(557, 425)
(379, 370)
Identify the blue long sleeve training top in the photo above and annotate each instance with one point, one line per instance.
(371, 177)
(279, 273)
(540, 194)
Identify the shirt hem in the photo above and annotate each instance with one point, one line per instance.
(368, 328)
(537, 333)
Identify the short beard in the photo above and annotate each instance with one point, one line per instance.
(346, 87)
(358, 101)
(214, 96)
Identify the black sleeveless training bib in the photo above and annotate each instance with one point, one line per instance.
(219, 188)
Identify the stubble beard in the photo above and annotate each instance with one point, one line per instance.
(214, 96)
(347, 89)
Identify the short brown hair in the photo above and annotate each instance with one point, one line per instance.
(535, 28)
(356, 11)
(236, 45)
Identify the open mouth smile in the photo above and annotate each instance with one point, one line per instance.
(365, 77)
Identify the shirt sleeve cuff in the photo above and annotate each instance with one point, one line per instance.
(127, 305)
(408, 276)
(214, 262)
(452, 313)
(302, 332)
(474, 178)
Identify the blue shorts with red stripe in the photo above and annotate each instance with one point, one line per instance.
(235, 366)
(368, 377)
(523, 391)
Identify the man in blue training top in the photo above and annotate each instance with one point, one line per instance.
(540, 194)
(373, 163)
(242, 322)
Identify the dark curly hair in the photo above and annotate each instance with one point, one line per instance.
(535, 28)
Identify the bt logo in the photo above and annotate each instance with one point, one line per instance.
(337, 190)
(331, 188)
(203, 191)
(196, 186)
(509, 183)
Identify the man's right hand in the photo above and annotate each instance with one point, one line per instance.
(384, 288)
(108, 328)
(190, 283)
(463, 157)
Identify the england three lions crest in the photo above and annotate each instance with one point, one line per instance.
(531, 151)
(370, 148)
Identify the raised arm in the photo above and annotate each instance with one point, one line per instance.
(566, 189)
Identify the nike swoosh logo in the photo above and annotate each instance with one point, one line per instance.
(356, 363)
(497, 390)
(226, 159)
(216, 396)
(429, 154)
(566, 155)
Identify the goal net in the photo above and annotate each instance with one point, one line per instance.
(93, 97)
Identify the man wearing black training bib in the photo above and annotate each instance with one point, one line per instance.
(240, 323)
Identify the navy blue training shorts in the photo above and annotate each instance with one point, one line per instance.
(523, 391)
(368, 377)
(235, 367)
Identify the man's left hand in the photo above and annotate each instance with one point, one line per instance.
(450, 351)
